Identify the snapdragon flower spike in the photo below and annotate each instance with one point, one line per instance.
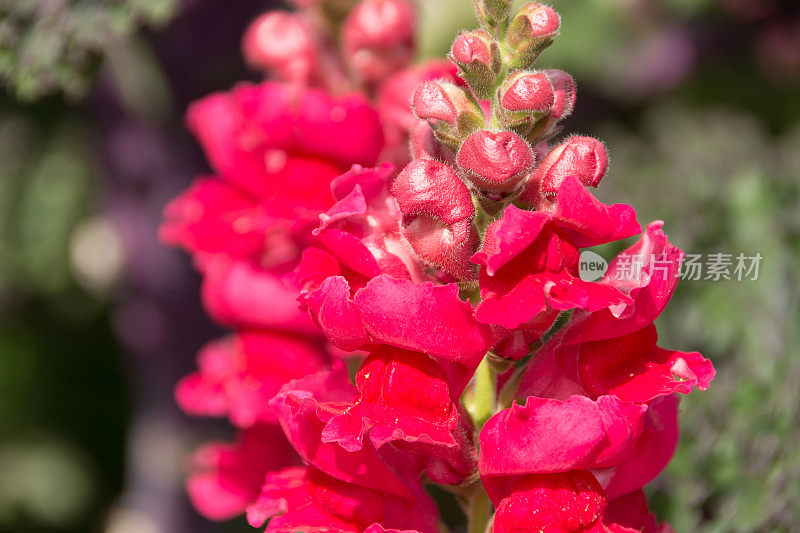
(479, 62)
(451, 110)
(437, 216)
(378, 37)
(282, 43)
(495, 160)
(584, 158)
(483, 210)
(531, 30)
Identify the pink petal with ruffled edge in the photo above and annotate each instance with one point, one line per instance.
(635, 369)
(306, 405)
(653, 450)
(404, 397)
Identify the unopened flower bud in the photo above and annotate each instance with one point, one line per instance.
(429, 187)
(495, 160)
(446, 247)
(281, 42)
(443, 102)
(526, 93)
(437, 215)
(531, 31)
(582, 157)
(478, 57)
(378, 37)
(493, 13)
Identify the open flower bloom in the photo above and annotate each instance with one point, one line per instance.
(600, 353)
(405, 399)
(303, 499)
(306, 408)
(275, 150)
(537, 462)
(389, 311)
(359, 237)
(530, 259)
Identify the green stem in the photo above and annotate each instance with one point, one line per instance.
(480, 509)
(483, 405)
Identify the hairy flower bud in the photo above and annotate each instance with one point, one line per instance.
(532, 103)
(281, 42)
(495, 160)
(478, 57)
(437, 215)
(531, 31)
(582, 157)
(525, 97)
(442, 102)
(378, 37)
(493, 13)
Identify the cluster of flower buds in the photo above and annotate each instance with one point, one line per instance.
(377, 39)
(492, 130)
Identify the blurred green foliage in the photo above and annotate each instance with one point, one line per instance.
(51, 46)
(63, 406)
(45, 187)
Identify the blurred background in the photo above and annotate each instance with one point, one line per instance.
(698, 102)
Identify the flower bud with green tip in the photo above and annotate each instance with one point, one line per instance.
(493, 14)
(477, 56)
(531, 30)
(451, 110)
(524, 98)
